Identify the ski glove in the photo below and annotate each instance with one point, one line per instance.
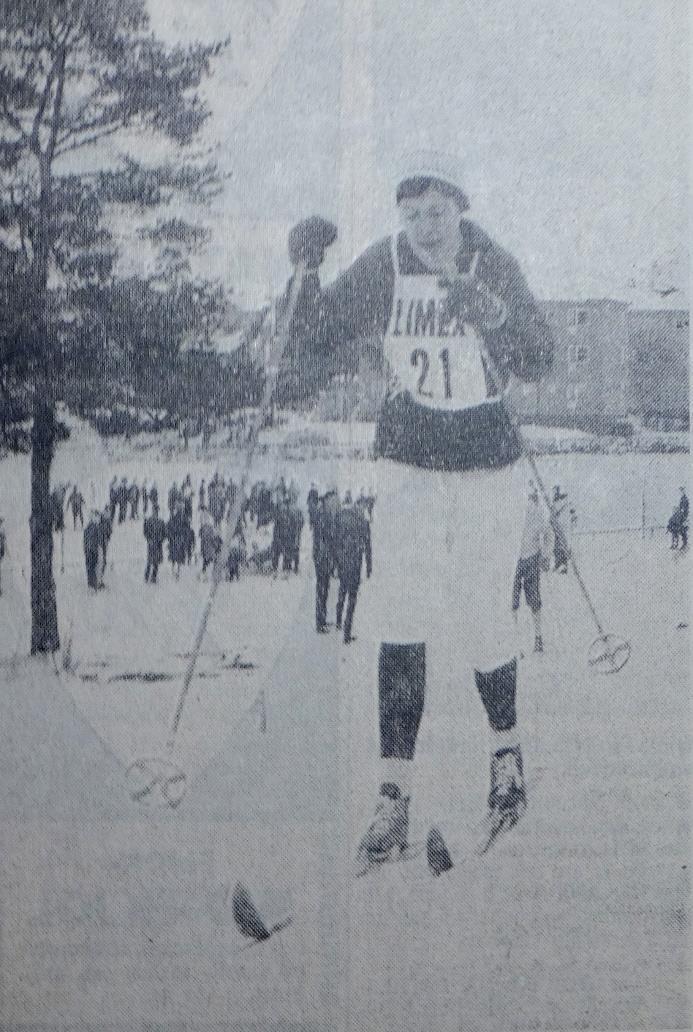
(470, 300)
(309, 239)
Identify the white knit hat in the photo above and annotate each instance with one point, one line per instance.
(432, 164)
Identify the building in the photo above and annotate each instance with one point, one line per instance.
(612, 363)
(659, 371)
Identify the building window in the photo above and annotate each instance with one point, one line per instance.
(682, 323)
(572, 394)
(577, 353)
(577, 317)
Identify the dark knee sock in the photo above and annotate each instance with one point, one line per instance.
(497, 690)
(401, 689)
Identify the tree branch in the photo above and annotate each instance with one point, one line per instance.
(87, 142)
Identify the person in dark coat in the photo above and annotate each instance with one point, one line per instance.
(210, 542)
(324, 554)
(353, 543)
(123, 494)
(113, 497)
(134, 499)
(106, 531)
(93, 538)
(76, 502)
(281, 537)
(177, 533)
(145, 499)
(155, 534)
(312, 503)
(202, 496)
(296, 522)
(678, 522)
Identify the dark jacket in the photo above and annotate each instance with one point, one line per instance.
(93, 537)
(155, 535)
(353, 542)
(324, 538)
(358, 306)
(177, 533)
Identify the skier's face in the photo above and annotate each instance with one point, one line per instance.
(432, 224)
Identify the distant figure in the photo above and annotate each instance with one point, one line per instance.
(93, 542)
(177, 533)
(296, 521)
(113, 497)
(560, 524)
(106, 531)
(134, 499)
(155, 534)
(145, 498)
(58, 508)
(324, 554)
(353, 543)
(122, 495)
(3, 548)
(210, 542)
(312, 504)
(678, 522)
(201, 497)
(281, 536)
(534, 557)
(76, 503)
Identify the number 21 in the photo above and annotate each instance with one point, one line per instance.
(420, 357)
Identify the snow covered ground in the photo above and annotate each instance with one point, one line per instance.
(117, 914)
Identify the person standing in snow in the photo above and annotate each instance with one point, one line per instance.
(353, 545)
(533, 558)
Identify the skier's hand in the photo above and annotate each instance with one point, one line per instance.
(470, 300)
(309, 239)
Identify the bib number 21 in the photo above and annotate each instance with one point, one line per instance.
(420, 359)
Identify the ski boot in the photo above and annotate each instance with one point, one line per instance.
(507, 799)
(387, 834)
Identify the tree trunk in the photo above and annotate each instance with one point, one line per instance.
(44, 610)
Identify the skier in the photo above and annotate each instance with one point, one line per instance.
(453, 314)
(353, 533)
(533, 559)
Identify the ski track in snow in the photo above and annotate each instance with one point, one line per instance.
(117, 916)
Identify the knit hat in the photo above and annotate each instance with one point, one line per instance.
(431, 164)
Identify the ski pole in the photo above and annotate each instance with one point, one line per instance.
(235, 513)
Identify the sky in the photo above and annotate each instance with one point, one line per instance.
(571, 121)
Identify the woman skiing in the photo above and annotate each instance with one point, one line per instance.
(452, 318)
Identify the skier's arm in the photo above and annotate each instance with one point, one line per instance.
(523, 343)
(329, 321)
